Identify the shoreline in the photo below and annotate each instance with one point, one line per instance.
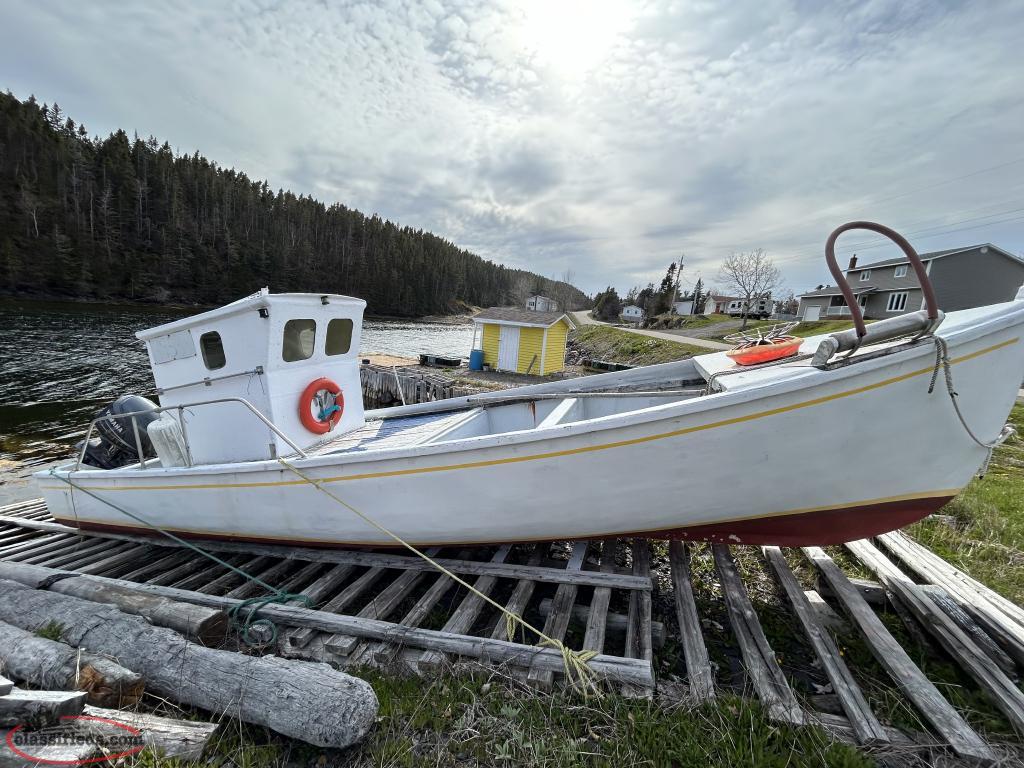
(460, 318)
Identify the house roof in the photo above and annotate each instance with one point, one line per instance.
(885, 281)
(517, 316)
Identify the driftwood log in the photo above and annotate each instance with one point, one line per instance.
(207, 625)
(37, 708)
(311, 702)
(55, 666)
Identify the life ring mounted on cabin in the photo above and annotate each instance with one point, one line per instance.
(317, 411)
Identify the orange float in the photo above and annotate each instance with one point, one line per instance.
(329, 417)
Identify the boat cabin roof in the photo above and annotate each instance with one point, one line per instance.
(262, 299)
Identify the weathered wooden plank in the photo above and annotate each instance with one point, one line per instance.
(963, 620)
(380, 607)
(583, 577)
(1003, 620)
(466, 614)
(228, 578)
(112, 562)
(192, 564)
(36, 545)
(170, 737)
(700, 678)
(866, 727)
(69, 553)
(614, 623)
(316, 592)
(6, 686)
(161, 565)
(827, 617)
(758, 657)
(890, 654)
(206, 571)
(87, 556)
(871, 591)
(597, 614)
(557, 621)
(268, 575)
(1000, 689)
(520, 596)
(39, 707)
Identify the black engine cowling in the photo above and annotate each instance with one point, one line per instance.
(115, 445)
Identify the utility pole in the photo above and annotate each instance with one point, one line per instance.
(675, 285)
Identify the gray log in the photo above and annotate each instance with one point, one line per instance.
(207, 625)
(311, 702)
(51, 665)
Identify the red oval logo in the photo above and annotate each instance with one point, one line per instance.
(66, 733)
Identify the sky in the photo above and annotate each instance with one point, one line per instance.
(600, 138)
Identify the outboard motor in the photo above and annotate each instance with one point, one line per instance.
(116, 446)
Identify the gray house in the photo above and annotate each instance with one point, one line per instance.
(963, 277)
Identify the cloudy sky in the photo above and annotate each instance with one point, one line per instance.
(602, 137)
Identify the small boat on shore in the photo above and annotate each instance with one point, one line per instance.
(261, 435)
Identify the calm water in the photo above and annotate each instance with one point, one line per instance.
(60, 363)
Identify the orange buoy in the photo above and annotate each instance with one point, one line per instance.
(327, 418)
(765, 351)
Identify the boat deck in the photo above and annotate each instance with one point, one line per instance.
(399, 432)
(643, 609)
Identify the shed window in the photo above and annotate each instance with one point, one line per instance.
(299, 339)
(897, 302)
(339, 336)
(213, 350)
(900, 271)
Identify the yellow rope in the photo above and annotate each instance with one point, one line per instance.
(576, 663)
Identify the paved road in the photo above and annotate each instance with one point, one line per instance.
(583, 318)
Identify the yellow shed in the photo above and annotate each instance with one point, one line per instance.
(522, 340)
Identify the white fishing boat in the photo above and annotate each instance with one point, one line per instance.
(261, 435)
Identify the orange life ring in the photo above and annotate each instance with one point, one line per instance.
(317, 424)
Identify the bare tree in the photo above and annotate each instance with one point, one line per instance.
(750, 276)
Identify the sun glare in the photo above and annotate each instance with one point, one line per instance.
(571, 36)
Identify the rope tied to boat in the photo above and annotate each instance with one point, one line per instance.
(576, 663)
(943, 363)
(243, 624)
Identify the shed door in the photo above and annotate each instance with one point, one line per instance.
(812, 313)
(508, 348)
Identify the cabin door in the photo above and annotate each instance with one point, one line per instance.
(508, 348)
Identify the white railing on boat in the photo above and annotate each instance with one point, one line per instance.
(184, 429)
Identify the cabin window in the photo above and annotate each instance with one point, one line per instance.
(901, 271)
(213, 350)
(339, 336)
(897, 302)
(299, 339)
(865, 274)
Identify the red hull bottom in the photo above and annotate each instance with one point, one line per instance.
(804, 529)
(809, 529)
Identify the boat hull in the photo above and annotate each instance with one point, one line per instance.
(818, 457)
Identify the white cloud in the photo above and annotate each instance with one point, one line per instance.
(606, 137)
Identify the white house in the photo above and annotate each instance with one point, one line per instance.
(542, 304)
(632, 313)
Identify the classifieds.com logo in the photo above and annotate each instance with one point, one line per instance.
(68, 742)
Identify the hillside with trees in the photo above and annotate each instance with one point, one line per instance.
(127, 219)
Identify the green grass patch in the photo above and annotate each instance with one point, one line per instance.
(52, 630)
(985, 537)
(604, 343)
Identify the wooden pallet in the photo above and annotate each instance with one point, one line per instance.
(369, 604)
(374, 606)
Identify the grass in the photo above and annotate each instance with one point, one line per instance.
(985, 537)
(52, 630)
(802, 330)
(604, 343)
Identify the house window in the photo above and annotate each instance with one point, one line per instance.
(865, 274)
(299, 337)
(339, 336)
(897, 302)
(901, 271)
(213, 350)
